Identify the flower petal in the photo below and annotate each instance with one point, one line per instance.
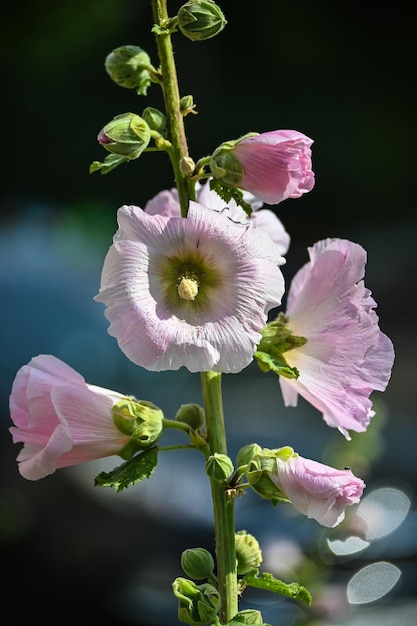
(158, 333)
(346, 356)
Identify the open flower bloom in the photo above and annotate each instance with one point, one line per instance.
(346, 355)
(273, 166)
(60, 419)
(190, 292)
(166, 203)
(316, 490)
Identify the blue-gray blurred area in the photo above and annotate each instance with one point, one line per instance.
(342, 73)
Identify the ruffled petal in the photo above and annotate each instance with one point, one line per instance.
(159, 333)
(346, 356)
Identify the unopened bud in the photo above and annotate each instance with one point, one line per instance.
(126, 135)
(187, 165)
(128, 67)
(247, 454)
(248, 552)
(197, 563)
(191, 414)
(187, 105)
(155, 119)
(200, 19)
(219, 467)
(249, 617)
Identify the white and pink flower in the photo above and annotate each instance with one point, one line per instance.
(166, 203)
(60, 419)
(346, 356)
(273, 166)
(316, 490)
(190, 292)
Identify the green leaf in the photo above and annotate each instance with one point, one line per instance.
(230, 193)
(139, 467)
(110, 163)
(267, 362)
(269, 583)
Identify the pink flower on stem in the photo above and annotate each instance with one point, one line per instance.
(166, 203)
(316, 490)
(273, 166)
(346, 355)
(60, 419)
(190, 292)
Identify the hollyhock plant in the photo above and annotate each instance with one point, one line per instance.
(61, 419)
(166, 203)
(316, 490)
(190, 292)
(346, 356)
(273, 166)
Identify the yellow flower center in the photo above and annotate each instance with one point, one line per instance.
(187, 288)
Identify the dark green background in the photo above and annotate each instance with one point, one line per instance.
(342, 73)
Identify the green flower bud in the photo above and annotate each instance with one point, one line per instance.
(248, 552)
(247, 454)
(126, 135)
(198, 604)
(197, 563)
(219, 467)
(187, 105)
(200, 19)
(187, 165)
(191, 414)
(141, 420)
(128, 67)
(155, 119)
(249, 617)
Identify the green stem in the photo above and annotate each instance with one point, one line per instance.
(175, 119)
(223, 507)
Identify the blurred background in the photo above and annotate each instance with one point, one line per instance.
(342, 74)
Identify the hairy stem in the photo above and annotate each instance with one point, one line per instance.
(223, 507)
(170, 87)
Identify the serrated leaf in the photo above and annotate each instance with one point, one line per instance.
(267, 362)
(230, 193)
(133, 471)
(269, 583)
(110, 162)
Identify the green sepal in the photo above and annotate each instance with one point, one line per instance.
(110, 163)
(277, 364)
(131, 472)
(230, 193)
(249, 617)
(169, 27)
(197, 604)
(141, 420)
(259, 469)
(270, 583)
(277, 338)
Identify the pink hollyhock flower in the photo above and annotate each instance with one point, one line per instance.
(273, 166)
(190, 292)
(60, 419)
(346, 355)
(316, 490)
(166, 203)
